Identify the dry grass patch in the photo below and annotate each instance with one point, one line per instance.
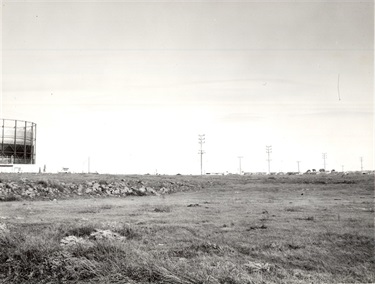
(161, 240)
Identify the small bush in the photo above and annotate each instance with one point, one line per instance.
(127, 231)
(308, 218)
(89, 210)
(228, 280)
(43, 183)
(162, 208)
(105, 207)
(206, 247)
(82, 231)
(293, 209)
(56, 184)
(9, 198)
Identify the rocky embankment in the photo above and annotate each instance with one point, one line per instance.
(50, 189)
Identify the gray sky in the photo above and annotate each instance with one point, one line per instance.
(132, 84)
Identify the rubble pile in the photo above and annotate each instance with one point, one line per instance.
(50, 189)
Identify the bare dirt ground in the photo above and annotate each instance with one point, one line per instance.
(233, 229)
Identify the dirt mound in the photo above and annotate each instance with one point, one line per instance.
(50, 189)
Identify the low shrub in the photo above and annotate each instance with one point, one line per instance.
(163, 208)
(105, 207)
(10, 198)
(43, 183)
(56, 184)
(294, 209)
(80, 231)
(127, 231)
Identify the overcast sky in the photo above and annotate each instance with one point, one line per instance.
(131, 84)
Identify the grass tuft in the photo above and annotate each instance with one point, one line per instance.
(162, 209)
(105, 207)
(127, 231)
(294, 209)
(81, 231)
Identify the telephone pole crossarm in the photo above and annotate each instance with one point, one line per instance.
(269, 151)
(240, 157)
(324, 156)
(201, 141)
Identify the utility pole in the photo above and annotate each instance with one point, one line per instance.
(342, 168)
(240, 157)
(361, 158)
(324, 155)
(298, 165)
(88, 165)
(201, 141)
(269, 151)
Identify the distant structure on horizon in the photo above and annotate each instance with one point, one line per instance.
(201, 140)
(269, 151)
(18, 142)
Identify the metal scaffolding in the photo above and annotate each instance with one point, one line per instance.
(18, 142)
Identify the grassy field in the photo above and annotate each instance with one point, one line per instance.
(229, 229)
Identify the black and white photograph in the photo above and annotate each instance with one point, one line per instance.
(187, 142)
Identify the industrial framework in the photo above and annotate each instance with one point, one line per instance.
(18, 142)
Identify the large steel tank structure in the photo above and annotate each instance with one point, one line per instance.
(18, 142)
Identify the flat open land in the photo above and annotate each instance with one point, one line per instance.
(219, 229)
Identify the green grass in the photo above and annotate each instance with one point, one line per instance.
(240, 230)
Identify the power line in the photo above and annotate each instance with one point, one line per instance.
(201, 141)
(240, 157)
(269, 151)
(324, 155)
